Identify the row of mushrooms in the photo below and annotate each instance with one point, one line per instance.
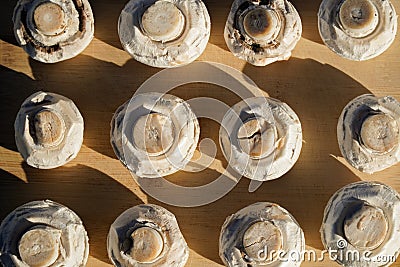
(172, 33)
(359, 219)
(155, 135)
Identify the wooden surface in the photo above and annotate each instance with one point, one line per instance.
(315, 82)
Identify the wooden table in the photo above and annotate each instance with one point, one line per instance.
(315, 82)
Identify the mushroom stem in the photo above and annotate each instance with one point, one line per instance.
(154, 133)
(358, 18)
(261, 239)
(49, 18)
(257, 137)
(163, 21)
(147, 244)
(380, 133)
(48, 127)
(261, 24)
(38, 248)
(366, 228)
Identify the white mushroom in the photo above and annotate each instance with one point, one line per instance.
(261, 138)
(154, 134)
(164, 33)
(261, 234)
(55, 30)
(43, 234)
(357, 29)
(368, 133)
(48, 130)
(362, 218)
(262, 32)
(146, 235)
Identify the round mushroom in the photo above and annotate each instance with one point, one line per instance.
(146, 235)
(362, 218)
(357, 29)
(259, 235)
(164, 33)
(43, 234)
(368, 133)
(154, 134)
(48, 130)
(261, 138)
(53, 30)
(262, 32)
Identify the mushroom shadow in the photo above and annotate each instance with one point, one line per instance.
(317, 93)
(106, 15)
(97, 198)
(7, 27)
(97, 87)
(16, 87)
(219, 11)
(308, 11)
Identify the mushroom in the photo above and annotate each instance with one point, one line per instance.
(261, 138)
(154, 134)
(362, 218)
(357, 29)
(164, 33)
(261, 234)
(43, 234)
(48, 130)
(262, 32)
(368, 132)
(53, 30)
(146, 235)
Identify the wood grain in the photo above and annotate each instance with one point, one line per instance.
(316, 83)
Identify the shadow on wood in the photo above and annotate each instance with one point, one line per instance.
(97, 198)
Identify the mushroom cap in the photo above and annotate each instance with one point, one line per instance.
(34, 223)
(48, 130)
(262, 32)
(53, 31)
(266, 127)
(184, 30)
(357, 29)
(255, 224)
(172, 134)
(149, 222)
(368, 132)
(362, 216)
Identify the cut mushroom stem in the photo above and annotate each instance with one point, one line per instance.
(147, 244)
(358, 18)
(366, 228)
(380, 132)
(257, 138)
(48, 128)
(39, 247)
(49, 18)
(154, 133)
(262, 24)
(163, 21)
(261, 238)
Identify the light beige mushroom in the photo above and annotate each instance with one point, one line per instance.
(259, 235)
(146, 235)
(362, 217)
(357, 29)
(164, 33)
(43, 234)
(261, 138)
(262, 32)
(368, 133)
(48, 130)
(55, 30)
(154, 135)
